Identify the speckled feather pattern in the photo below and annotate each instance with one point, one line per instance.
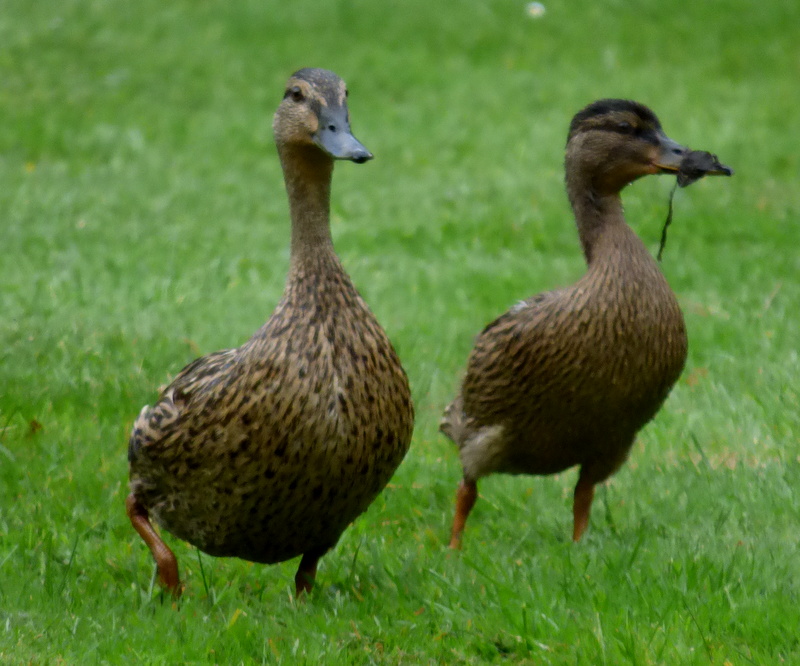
(270, 450)
(571, 375)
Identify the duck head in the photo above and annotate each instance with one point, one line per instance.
(612, 142)
(314, 114)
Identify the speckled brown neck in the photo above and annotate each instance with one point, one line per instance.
(599, 218)
(307, 173)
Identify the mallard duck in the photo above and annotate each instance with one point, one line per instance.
(568, 377)
(270, 450)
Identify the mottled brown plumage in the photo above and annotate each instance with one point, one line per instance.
(270, 450)
(569, 376)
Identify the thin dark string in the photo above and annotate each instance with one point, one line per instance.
(667, 222)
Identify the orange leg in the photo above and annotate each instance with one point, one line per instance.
(582, 506)
(164, 557)
(465, 499)
(306, 574)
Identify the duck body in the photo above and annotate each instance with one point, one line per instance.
(568, 377)
(272, 449)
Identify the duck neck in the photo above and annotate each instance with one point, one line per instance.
(307, 173)
(598, 216)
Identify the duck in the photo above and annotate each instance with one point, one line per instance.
(568, 377)
(269, 451)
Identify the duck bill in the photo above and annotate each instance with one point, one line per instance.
(670, 156)
(336, 139)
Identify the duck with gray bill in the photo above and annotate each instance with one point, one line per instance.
(270, 450)
(568, 377)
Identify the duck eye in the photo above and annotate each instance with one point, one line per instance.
(295, 93)
(625, 127)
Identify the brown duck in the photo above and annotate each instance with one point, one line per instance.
(568, 377)
(270, 450)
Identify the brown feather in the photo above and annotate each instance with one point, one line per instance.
(272, 449)
(569, 376)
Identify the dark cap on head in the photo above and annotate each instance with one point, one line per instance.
(605, 106)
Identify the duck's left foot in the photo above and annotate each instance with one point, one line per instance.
(466, 496)
(164, 557)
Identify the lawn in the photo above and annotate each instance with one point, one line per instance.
(144, 222)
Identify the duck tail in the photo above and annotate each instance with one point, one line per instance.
(135, 442)
(452, 423)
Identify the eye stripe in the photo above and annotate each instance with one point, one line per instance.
(296, 92)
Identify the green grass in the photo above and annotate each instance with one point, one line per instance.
(144, 222)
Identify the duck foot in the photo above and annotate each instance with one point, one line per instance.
(164, 557)
(466, 496)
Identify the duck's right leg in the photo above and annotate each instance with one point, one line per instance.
(465, 499)
(164, 557)
(307, 573)
(582, 504)
(593, 472)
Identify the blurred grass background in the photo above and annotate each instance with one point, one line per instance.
(144, 222)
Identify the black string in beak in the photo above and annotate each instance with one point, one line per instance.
(667, 222)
